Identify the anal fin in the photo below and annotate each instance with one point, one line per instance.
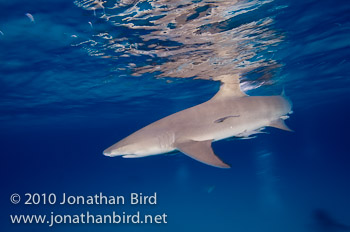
(279, 123)
(202, 152)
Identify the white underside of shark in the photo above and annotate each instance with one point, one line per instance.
(230, 113)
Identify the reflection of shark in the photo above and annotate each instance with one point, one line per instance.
(229, 113)
(326, 223)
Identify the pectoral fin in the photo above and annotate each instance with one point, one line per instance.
(202, 152)
(279, 123)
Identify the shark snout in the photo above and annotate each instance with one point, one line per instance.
(107, 152)
(111, 152)
(114, 150)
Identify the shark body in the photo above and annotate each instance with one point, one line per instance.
(230, 113)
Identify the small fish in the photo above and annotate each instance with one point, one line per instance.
(211, 189)
(30, 16)
(90, 23)
(2, 33)
(224, 118)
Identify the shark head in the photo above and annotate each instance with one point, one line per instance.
(121, 149)
(114, 150)
(138, 146)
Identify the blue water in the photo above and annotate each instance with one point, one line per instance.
(67, 94)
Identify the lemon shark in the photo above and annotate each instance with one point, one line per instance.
(230, 113)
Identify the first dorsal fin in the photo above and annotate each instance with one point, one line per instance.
(201, 151)
(229, 87)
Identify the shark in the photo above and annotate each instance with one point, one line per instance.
(229, 113)
(325, 222)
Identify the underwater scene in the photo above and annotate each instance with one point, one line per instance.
(164, 115)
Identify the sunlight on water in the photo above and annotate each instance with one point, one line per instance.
(61, 57)
(268, 179)
(183, 39)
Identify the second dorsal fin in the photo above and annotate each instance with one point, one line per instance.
(229, 87)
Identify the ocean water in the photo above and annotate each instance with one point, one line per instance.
(78, 76)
